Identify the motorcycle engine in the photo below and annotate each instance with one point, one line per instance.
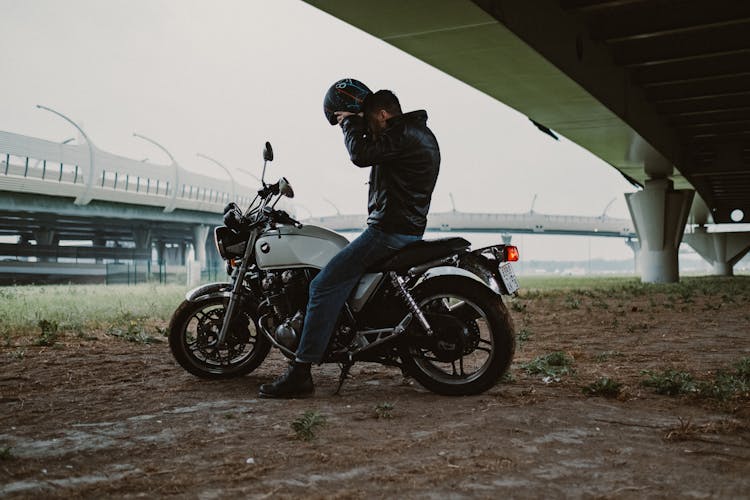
(286, 292)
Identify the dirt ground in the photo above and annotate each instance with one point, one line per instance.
(108, 418)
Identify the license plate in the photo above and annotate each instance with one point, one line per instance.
(509, 277)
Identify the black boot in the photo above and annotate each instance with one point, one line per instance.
(295, 383)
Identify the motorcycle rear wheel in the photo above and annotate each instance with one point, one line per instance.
(194, 329)
(478, 321)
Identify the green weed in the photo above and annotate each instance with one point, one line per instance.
(605, 386)
(49, 329)
(134, 332)
(523, 335)
(573, 303)
(6, 453)
(605, 355)
(384, 410)
(517, 305)
(669, 382)
(742, 368)
(553, 365)
(306, 426)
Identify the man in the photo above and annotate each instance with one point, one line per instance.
(405, 161)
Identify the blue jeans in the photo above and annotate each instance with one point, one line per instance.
(332, 286)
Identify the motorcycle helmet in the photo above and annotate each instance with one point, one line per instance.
(344, 95)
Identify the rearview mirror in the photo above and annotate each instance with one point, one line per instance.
(268, 152)
(285, 188)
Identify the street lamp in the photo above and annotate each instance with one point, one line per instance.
(334, 206)
(175, 166)
(604, 213)
(229, 173)
(84, 197)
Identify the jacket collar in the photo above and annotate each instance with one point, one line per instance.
(412, 116)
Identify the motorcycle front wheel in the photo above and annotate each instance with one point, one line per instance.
(193, 335)
(473, 341)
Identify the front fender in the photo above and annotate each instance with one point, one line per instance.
(209, 291)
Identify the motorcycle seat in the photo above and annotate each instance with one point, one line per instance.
(419, 252)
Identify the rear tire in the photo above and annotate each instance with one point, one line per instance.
(487, 338)
(193, 330)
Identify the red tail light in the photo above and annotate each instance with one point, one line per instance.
(511, 253)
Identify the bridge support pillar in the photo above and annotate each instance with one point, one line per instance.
(99, 242)
(46, 238)
(721, 250)
(659, 214)
(635, 246)
(200, 233)
(161, 253)
(142, 238)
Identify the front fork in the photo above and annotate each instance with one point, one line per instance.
(239, 279)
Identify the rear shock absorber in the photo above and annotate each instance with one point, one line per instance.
(400, 285)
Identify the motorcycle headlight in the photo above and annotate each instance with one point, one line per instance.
(230, 244)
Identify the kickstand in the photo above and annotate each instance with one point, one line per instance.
(345, 367)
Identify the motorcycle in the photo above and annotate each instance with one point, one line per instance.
(434, 309)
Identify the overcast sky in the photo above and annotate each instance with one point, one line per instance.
(221, 77)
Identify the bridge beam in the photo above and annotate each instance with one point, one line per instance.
(659, 214)
(721, 250)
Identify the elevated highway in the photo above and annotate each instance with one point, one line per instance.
(53, 192)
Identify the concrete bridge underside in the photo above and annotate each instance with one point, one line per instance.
(116, 231)
(658, 90)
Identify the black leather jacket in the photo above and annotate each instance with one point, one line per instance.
(405, 160)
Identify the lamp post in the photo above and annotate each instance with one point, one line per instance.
(175, 166)
(334, 206)
(229, 173)
(84, 197)
(604, 213)
(248, 172)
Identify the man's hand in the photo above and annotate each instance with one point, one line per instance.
(340, 115)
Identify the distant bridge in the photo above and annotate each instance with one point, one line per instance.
(530, 222)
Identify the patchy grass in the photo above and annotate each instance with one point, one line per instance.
(605, 386)
(307, 426)
(724, 386)
(606, 355)
(6, 453)
(669, 382)
(48, 336)
(686, 430)
(384, 410)
(553, 365)
(523, 335)
(134, 332)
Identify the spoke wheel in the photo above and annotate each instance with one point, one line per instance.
(472, 343)
(193, 339)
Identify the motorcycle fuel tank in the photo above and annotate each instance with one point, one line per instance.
(289, 246)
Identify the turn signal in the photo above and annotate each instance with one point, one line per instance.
(511, 253)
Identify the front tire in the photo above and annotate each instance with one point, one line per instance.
(193, 331)
(474, 343)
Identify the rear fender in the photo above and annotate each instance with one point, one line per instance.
(451, 271)
(209, 291)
